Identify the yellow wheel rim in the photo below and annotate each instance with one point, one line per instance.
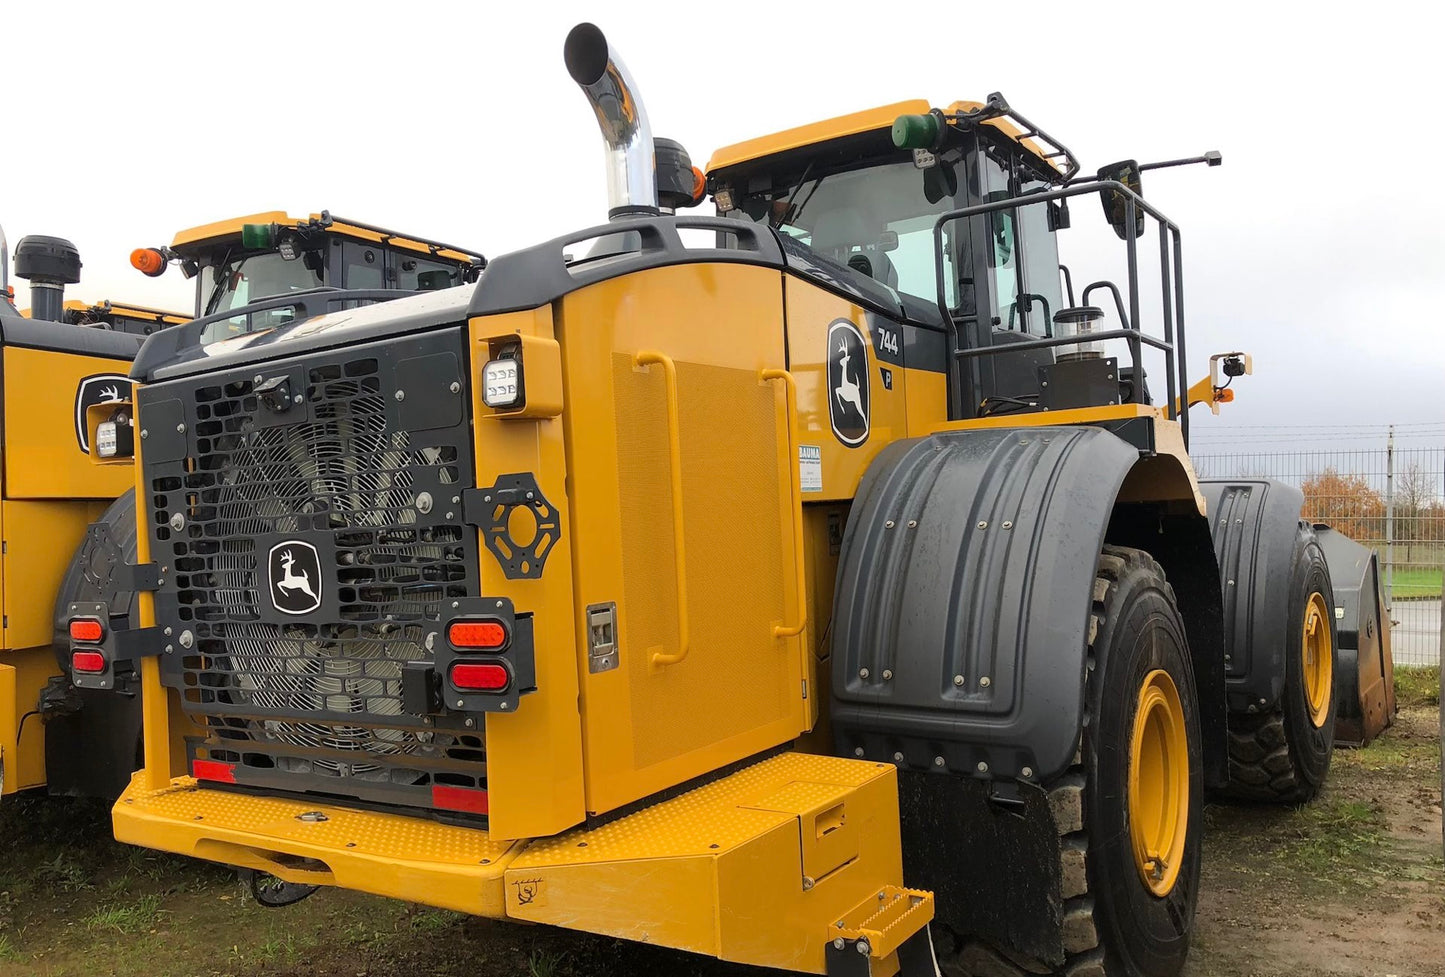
(1159, 783)
(1317, 659)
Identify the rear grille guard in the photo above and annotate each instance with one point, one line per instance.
(323, 463)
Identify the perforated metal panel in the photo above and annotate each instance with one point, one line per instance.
(309, 521)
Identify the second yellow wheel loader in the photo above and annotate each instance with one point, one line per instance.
(69, 527)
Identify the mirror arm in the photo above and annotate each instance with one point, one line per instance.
(1212, 158)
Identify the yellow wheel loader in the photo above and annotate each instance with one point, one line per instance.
(819, 585)
(68, 527)
(56, 360)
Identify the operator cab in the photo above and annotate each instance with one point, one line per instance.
(860, 214)
(238, 262)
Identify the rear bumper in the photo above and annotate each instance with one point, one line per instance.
(320, 844)
(772, 865)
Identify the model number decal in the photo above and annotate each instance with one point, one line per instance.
(887, 341)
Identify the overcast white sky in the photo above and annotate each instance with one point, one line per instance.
(1317, 246)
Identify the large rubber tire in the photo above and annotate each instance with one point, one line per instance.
(1113, 925)
(1280, 754)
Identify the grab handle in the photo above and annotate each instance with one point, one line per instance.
(647, 357)
(789, 458)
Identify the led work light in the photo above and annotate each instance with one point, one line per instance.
(502, 383)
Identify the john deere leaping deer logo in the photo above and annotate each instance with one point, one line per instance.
(295, 577)
(848, 383)
(102, 388)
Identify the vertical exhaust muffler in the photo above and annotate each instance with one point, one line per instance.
(49, 264)
(631, 177)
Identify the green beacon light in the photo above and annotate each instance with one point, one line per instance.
(916, 131)
(257, 236)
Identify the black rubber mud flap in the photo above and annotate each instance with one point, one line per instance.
(92, 742)
(976, 857)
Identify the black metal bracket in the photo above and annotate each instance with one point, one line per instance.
(490, 509)
(135, 577)
(426, 689)
(997, 107)
(120, 646)
(852, 958)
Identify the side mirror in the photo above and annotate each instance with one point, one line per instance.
(1116, 204)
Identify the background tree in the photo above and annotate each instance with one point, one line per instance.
(1347, 503)
(1414, 493)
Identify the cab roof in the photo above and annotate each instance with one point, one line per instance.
(123, 309)
(868, 120)
(206, 234)
(127, 311)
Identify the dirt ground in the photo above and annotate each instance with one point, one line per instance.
(1352, 884)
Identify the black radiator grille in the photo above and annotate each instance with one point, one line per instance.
(309, 700)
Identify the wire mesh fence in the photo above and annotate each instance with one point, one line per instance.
(1390, 498)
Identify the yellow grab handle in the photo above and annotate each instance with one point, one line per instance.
(646, 357)
(789, 455)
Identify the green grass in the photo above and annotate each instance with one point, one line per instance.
(1417, 688)
(135, 917)
(545, 963)
(8, 950)
(1336, 841)
(1415, 581)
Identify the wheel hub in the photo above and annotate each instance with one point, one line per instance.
(1317, 659)
(1158, 783)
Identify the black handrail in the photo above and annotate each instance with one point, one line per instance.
(1169, 233)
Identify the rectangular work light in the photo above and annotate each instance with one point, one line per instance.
(502, 383)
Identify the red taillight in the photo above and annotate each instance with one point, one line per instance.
(91, 662)
(459, 799)
(86, 629)
(214, 770)
(480, 676)
(477, 634)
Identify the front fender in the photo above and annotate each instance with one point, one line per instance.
(961, 612)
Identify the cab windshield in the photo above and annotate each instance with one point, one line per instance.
(877, 221)
(258, 276)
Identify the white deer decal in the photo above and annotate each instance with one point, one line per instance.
(290, 581)
(847, 391)
(110, 394)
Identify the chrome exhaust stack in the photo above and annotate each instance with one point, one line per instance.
(631, 177)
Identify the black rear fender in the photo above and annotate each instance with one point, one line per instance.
(962, 608)
(1255, 523)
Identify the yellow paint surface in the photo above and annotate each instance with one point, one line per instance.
(43, 459)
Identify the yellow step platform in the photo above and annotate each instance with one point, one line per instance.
(770, 865)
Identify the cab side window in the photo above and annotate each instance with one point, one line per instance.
(363, 264)
(418, 274)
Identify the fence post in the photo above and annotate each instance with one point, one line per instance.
(1390, 520)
